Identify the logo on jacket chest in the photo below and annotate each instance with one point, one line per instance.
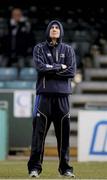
(61, 55)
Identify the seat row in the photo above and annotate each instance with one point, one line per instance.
(12, 73)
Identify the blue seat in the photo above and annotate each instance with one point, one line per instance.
(8, 73)
(20, 84)
(2, 85)
(28, 73)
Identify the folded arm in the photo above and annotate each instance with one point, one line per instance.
(41, 66)
(70, 70)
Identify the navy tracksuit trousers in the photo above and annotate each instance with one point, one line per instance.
(49, 109)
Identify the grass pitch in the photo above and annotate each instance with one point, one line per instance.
(17, 169)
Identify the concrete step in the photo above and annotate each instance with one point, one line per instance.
(91, 87)
(51, 140)
(81, 101)
(50, 151)
(100, 61)
(93, 74)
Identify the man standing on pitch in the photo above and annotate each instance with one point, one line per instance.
(56, 66)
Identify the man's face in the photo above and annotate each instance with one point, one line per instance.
(16, 15)
(54, 31)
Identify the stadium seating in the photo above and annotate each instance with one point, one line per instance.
(20, 84)
(80, 101)
(28, 73)
(2, 85)
(95, 74)
(101, 61)
(8, 73)
(81, 31)
(91, 87)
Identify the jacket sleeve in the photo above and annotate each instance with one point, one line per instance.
(41, 66)
(70, 59)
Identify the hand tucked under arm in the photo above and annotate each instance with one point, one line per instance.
(63, 66)
(68, 70)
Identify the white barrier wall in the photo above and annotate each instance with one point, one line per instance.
(92, 135)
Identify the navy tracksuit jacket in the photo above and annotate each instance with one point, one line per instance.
(52, 103)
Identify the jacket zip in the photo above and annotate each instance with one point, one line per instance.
(56, 56)
(44, 83)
